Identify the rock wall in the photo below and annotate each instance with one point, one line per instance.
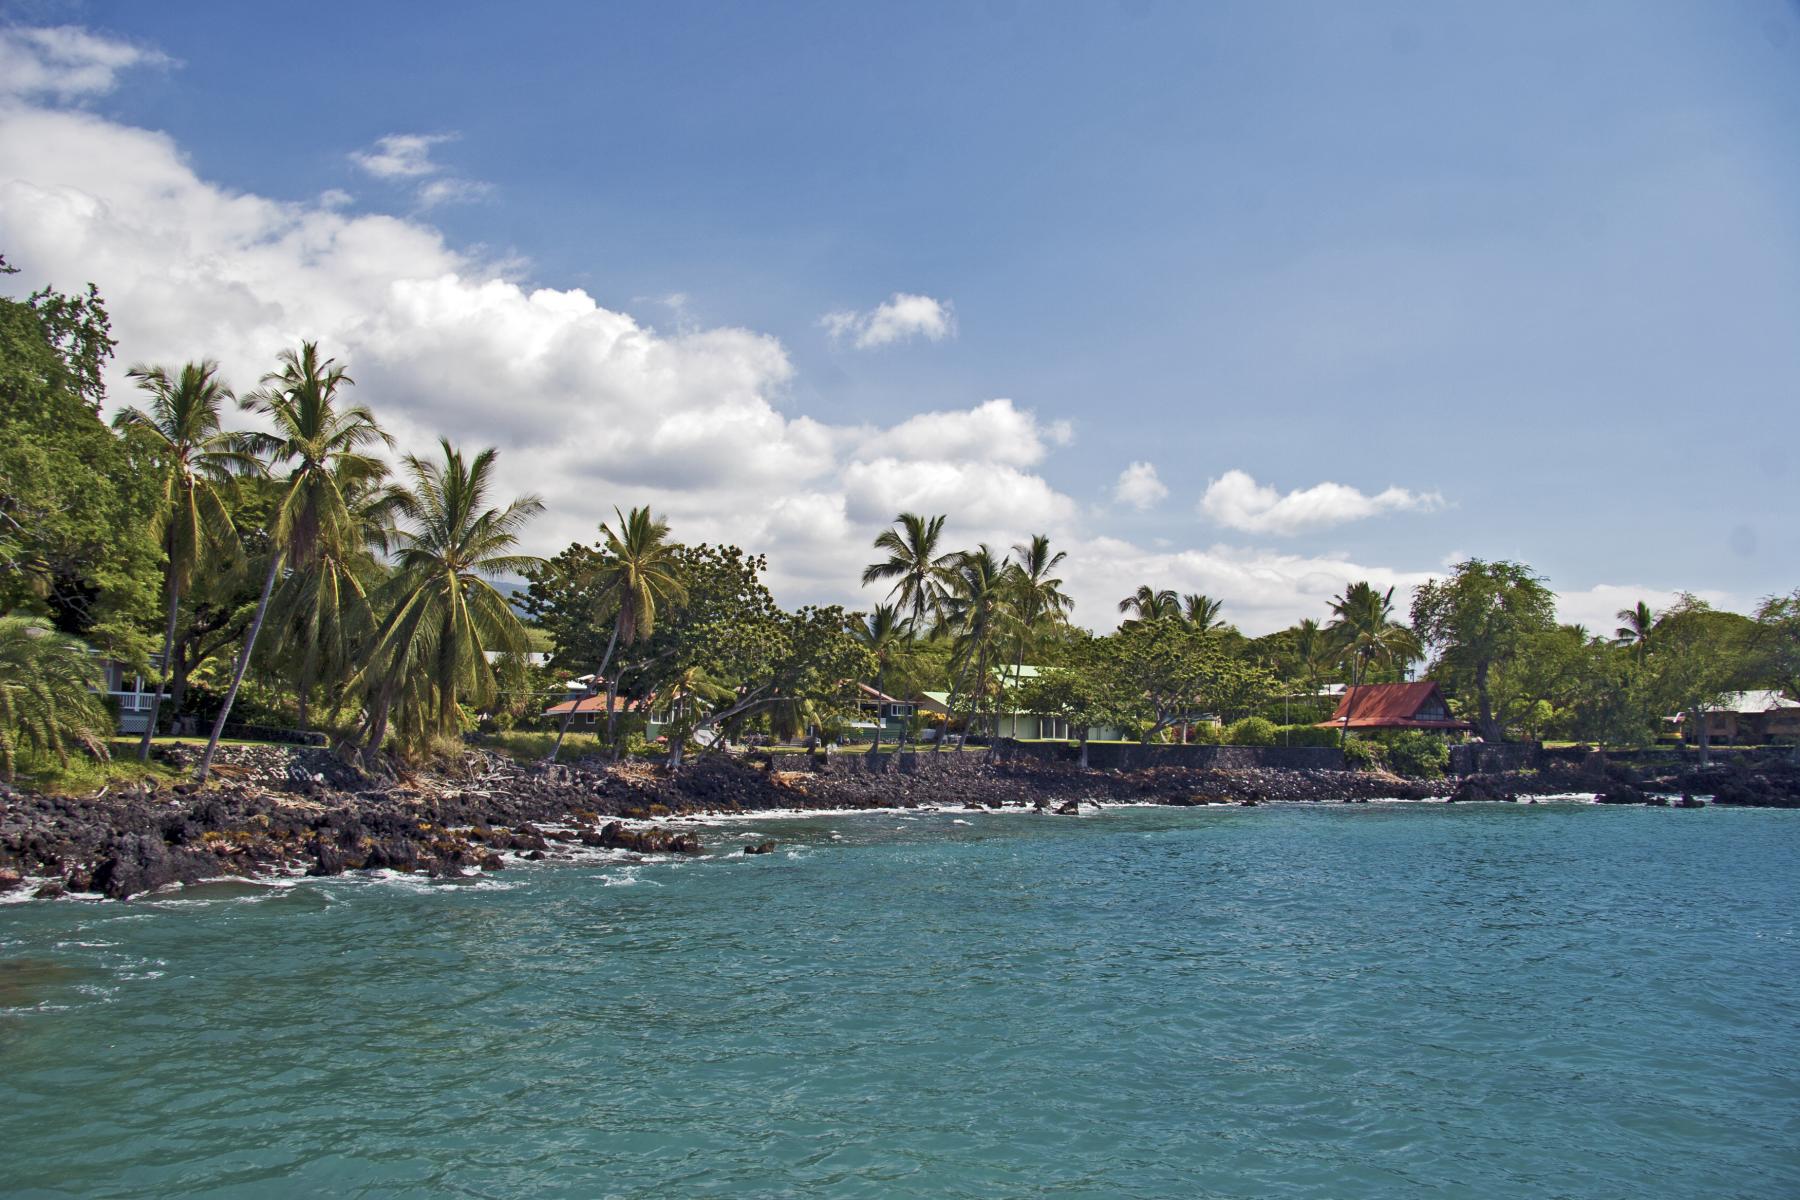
(1129, 756)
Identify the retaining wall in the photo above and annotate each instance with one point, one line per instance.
(1130, 756)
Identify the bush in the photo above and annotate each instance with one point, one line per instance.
(1362, 755)
(1252, 731)
(1418, 755)
(1204, 734)
(1306, 735)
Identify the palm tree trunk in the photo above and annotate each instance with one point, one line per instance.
(570, 715)
(168, 658)
(1356, 674)
(243, 664)
(880, 690)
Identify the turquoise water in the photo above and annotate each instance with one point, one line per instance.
(1355, 1001)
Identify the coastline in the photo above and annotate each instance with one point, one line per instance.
(281, 812)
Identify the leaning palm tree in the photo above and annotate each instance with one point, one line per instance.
(1638, 622)
(638, 573)
(976, 614)
(885, 634)
(918, 569)
(1150, 604)
(1363, 629)
(49, 695)
(430, 653)
(1201, 611)
(196, 459)
(323, 444)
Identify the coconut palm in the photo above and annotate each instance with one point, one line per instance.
(49, 694)
(919, 570)
(638, 573)
(1363, 629)
(1201, 611)
(976, 613)
(1036, 604)
(1149, 604)
(1311, 644)
(885, 634)
(323, 444)
(430, 652)
(1637, 623)
(196, 459)
(321, 612)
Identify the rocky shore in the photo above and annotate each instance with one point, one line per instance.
(290, 810)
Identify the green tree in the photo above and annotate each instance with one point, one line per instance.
(1775, 643)
(322, 443)
(1167, 672)
(1636, 623)
(1085, 691)
(76, 501)
(886, 635)
(977, 612)
(1150, 604)
(1478, 617)
(49, 699)
(919, 570)
(430, 653)
(196, 460)
(1202, 611)
(1364, 631)
(635, 574)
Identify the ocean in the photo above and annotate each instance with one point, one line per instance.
(1334, 1001)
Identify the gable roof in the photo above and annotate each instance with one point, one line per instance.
(1753, 702)
(1394, 706)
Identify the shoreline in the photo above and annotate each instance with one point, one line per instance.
(289, 813)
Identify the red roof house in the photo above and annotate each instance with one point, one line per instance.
(1394, 706)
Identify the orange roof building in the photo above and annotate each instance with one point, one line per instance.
(1394, 706)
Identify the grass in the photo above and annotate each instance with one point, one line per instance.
(84, 774)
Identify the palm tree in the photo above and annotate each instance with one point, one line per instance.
(1201, 611)
(49, 694)
(1363, 629)
(431, 650)
(976, 612)
(884, 633)
(1636, 628)
(196, 458)
(638, 573)
(918, 570)
(321, 611)
(322, 444)
(1037, 602)
(1310, 646)
(1149, 604)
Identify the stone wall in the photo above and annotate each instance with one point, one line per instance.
(1129, 756)
(1483, 758)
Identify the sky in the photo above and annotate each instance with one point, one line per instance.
(1251, 299)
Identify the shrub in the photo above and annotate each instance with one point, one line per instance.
(1362, 755)
(1305, 735)
(1252, 731)
(1418, 755)
(1204, 734)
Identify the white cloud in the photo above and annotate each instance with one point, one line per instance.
(401, 155)
(1140, 487)
(1237, 501)
(994, 431)
(65, 62)
(1597, 607)
(902, 317)
(406, 157)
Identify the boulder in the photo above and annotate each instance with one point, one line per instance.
(760, 848)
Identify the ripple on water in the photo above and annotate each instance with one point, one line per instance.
(1353, 1001)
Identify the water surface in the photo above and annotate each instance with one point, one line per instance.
(1333, 1001)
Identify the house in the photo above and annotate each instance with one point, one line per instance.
(1016, 723)
(876, 710)
(1747, 718)
(1418, 705)
(590, 712)
(131, 694)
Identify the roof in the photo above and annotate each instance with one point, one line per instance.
(880, 697)
(1753, 702)
(1394, 706)
(590, 704)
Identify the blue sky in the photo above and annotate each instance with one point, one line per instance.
(1535, 267)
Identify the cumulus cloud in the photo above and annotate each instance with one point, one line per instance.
(406, 157)
(994, 431)
(1140, 487)
(902, 317)
(66, 63)
(1237, 501)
